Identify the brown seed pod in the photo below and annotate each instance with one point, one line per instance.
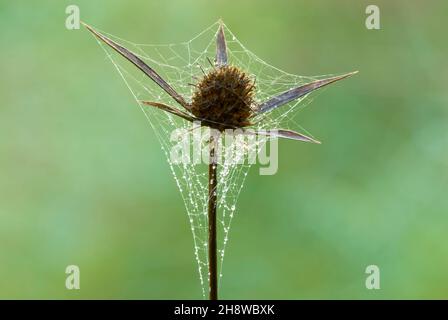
(224, 98)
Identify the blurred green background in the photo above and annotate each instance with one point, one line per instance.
(83, 180)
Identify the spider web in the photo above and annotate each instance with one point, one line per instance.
(181, 65)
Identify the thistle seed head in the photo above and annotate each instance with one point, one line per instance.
(224, 98)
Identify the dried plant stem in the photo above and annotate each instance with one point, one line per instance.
(212, 204)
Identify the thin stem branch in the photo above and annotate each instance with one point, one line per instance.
(212, 204)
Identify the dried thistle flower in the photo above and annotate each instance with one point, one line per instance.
(224, 98)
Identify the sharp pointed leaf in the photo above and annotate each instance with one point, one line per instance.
(170, 109)
(221, 47)
(141, 65)
(282, 133)
(298, 92)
